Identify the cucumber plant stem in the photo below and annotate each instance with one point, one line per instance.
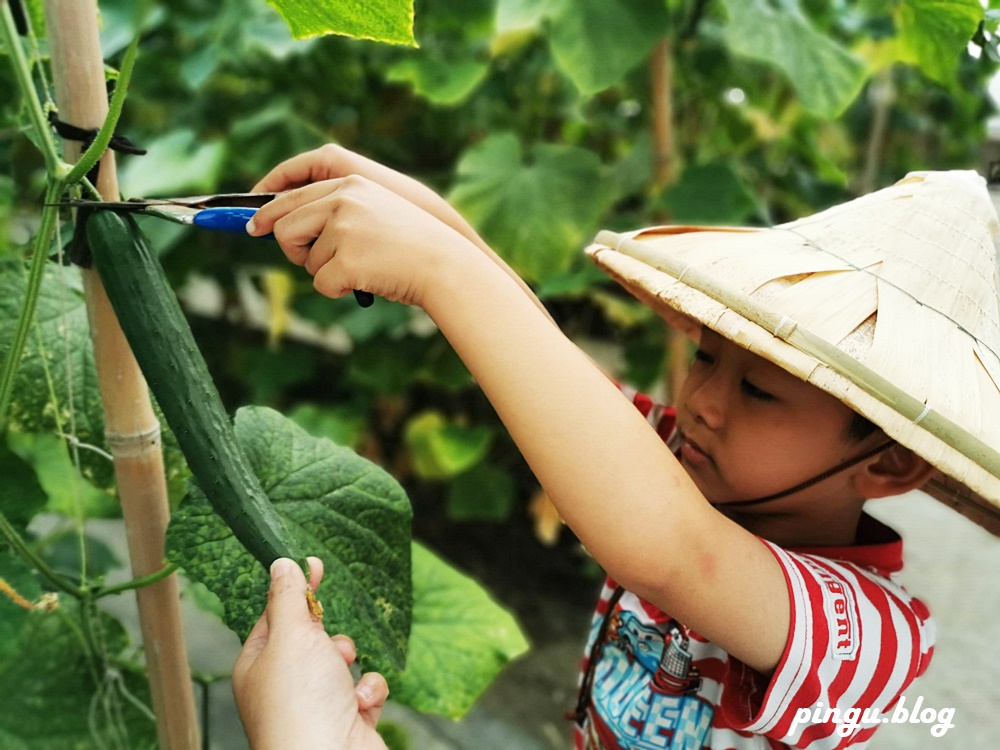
(54, 165)
(100, 143)
(137, 583)
(43, 241)
(8, 532)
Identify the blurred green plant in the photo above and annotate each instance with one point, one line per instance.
(536, 118)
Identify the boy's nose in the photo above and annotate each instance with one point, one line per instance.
(705, 403)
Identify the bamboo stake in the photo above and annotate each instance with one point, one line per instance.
(661, 75)
(131, 427)
(881, 95)
(662, 81)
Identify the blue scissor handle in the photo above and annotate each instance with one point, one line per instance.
(235, 218)
(227, 219)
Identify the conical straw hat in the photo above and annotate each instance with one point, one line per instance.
(890, 302)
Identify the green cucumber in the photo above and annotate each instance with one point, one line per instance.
(169, 358)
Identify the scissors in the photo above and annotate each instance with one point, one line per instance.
(224, 212)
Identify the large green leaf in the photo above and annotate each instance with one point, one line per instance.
(594, 42)
(461, 639)
(343, 424)
(517, 16)
(21, 495)
(381, 20)
(57, 351)
(344, 509)
(537, 210)
(825, 75)
(936, 33)
(440, 81)
(176, 164)
(442, 448)
(49, 682)
(484, 493)
(68, 492)
(709, 194)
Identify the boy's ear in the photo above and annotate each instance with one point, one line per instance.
(895, 471)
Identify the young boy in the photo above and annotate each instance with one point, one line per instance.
(748, 592)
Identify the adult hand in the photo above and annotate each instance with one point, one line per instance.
(292, 683)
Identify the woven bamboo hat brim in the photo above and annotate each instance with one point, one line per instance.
(890, 302)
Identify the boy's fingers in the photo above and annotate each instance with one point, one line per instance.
(322, 249)
(298, 232)
(302, 169)
(270, 213)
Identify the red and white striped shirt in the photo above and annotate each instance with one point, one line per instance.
(856, 641)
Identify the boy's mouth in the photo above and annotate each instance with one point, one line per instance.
(693, 453)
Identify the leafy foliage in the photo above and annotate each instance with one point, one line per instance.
(534, 117)
(460, 640)
(382, 20)
(356, 518)
(557, 196)
(343, 509)
(47, 680)
(825, 75)
(59, 357)
(23, 496)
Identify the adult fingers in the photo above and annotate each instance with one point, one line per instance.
(252, 648)
(345, 645)
(372, 691)
(286, 604)
(315, 572)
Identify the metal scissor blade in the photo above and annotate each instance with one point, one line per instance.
(217, 200)
(227, 200)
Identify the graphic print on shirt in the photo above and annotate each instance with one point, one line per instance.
(644, 690)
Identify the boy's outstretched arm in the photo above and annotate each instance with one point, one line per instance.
(609, 474)
(332, 161)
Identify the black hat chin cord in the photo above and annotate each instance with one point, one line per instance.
(815, 480)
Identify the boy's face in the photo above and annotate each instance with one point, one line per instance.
(750, 429)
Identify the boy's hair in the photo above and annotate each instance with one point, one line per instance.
(860, 427)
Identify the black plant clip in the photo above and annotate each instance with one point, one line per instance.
(77, 250)
(20, 18)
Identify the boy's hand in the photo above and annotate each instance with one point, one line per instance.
(352, 233)
(292, 684)
(332, 162)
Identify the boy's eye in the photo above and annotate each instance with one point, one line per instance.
(754, 392)
(703, 357)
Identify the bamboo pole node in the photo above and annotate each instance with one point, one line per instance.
(132, 444)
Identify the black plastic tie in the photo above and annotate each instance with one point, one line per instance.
(20, 18)
(86, 136)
